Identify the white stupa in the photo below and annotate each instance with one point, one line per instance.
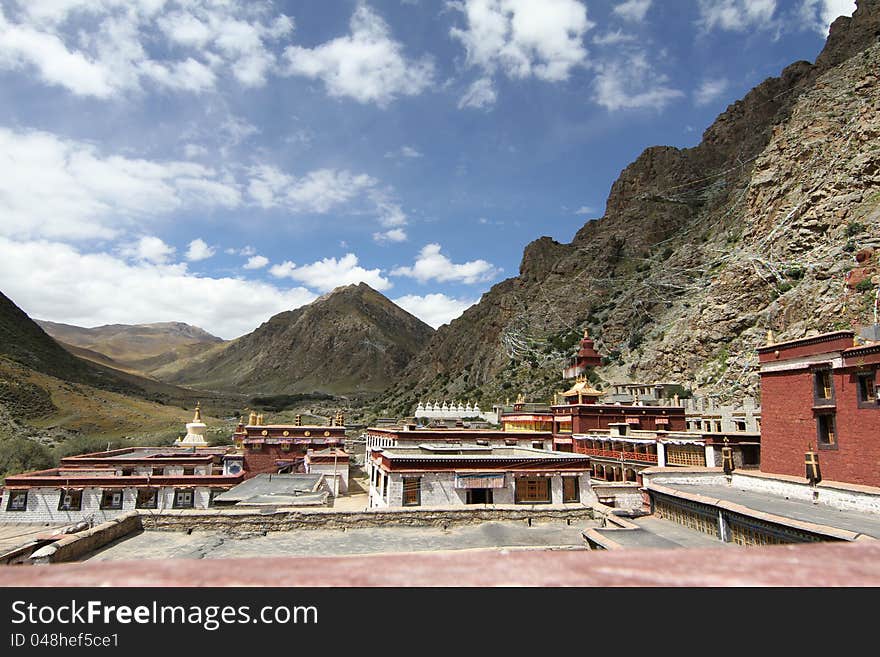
(195, 431)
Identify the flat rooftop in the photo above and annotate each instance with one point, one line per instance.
(265, 488)
(858, 522)
(354, 541)
(654, 532)
(477, 453)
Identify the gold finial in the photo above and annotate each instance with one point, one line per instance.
(771, 339)
(198, 416)
(260, 419)
(252, 418)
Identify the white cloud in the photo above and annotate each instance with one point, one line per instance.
(585, 210)
(633, 10)
(709, 90)
(193, 151)
(366, 65)
(329, 273)
(404, 151)
(736, 15)
(88, 289)
(148, 249)
(199, 250)
(480, 94)
(393, 235)
(614, 38)
(631, 83)
(430, 265)
(256, 262)
(434, 309)
(318, 191)
(57, 188)
(104, 49)
(819, 14)
(523, 38)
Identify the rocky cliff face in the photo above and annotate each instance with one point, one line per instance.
(700, 250)
(352, 340)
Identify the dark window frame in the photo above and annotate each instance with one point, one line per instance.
(412, 484)
(111, 506)
(139, 505)
(867, 401)
(192, 499)
(13, 494)
(824, 444)
(79, 503)
(818, 383)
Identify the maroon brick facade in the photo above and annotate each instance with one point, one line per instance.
(589, 417)
(791, 409)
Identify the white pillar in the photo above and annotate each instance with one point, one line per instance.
(661, 454)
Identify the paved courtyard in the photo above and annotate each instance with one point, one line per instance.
(324, 542)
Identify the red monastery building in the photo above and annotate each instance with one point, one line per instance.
(821, 392)
(272, 448)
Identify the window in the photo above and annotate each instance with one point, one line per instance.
(412, 491)
(532, 490)
(718, 426)
(111, 499)
(17, 500)
(479, 496)
(183, 499)
(867, 390)
(570, 489)
(827, 436)
(483, 443)
(509, 442)
(158, 471)
(740, 425)
(538, 444)
(71, 500)
(189, 471)
(824, 388)
(147, 498)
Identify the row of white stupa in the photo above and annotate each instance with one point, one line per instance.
(422, 409)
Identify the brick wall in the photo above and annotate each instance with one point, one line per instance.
(789, 424)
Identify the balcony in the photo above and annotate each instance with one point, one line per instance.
(617, 455)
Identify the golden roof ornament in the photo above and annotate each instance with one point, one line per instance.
(771, 339)
(198, 416)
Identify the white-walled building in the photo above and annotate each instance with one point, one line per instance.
(454, 475)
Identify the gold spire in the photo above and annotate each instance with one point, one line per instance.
(252, 418)
(198, 416)
(771, 339)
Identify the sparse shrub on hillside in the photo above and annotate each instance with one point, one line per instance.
(23, 455)
(865, 285)
(795, 273)
(854, 228)
(849, 247)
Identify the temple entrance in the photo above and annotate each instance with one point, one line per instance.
(479, 496)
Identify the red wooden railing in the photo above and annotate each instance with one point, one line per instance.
(615, 454)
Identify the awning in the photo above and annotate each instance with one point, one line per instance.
(661, 420)
(527, 418)
(633, 420)
(562, 441)
(479, 480)
(563, 418)
(254, 441)
(616, 439)
(673, 441)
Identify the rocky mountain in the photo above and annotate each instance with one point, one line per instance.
(349, 341)
(48, 393)
(700, 251)
(139, 347)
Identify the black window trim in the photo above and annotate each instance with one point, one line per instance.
(15, 493)
(110, 507)
(61, 506)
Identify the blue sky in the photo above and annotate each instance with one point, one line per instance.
(216, 162)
